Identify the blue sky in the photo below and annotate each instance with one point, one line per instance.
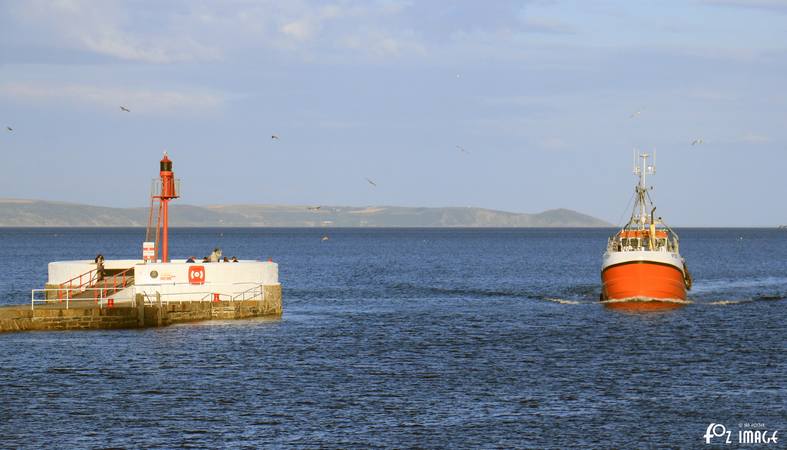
(540, 93)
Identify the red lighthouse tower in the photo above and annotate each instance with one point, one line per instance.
(164, 190)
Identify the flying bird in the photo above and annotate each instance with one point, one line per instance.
(462, 149)
(9, 128)
(275, 137)
(371, 182)
(313, 208)
(635, 114)
(697, 141)
(324, 238)
(124, 109)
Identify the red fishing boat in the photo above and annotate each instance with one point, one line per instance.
(642, 268)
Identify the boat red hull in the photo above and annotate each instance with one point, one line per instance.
(643, 285)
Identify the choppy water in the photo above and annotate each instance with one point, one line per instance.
(401, 338)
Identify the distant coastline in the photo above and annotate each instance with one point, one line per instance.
(40, 214)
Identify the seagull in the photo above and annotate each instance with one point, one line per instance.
(275, 137)
(324, 238)
(313, 208)
(635, 114)
(9, 129)
(461, 149)
(697, 141)
(371, 182)
(124, 109)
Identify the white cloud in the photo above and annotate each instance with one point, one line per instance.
(140, 101)
(299, 29)
(554, 143)
(545, 25)
(109, 29)
(173, 32)
(772, 5)
(755, 138)
(710, 95)
(360, 27)
(310, 21)
(381, 44)
(127, 47)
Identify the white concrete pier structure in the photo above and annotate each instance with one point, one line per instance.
(182, 281)
(176, 280)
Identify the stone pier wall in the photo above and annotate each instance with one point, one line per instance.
(85, 316)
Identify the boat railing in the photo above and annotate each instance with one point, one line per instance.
(617, 243)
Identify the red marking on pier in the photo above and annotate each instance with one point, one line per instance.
(196, 274)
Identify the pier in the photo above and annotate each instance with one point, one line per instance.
(150, 292)
(143, 312)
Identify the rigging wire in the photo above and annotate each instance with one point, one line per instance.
(647, 192)
(620, 220)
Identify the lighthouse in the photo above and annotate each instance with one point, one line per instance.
(167, 193)
(164, 189)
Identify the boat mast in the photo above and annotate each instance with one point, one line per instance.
(641, 189)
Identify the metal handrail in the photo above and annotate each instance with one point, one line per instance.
(90, 277)
(206, 295)
(71, 281)
(103, 294)
(253, 288)
(124, 280)
(92, 280)
(101, 297)
(212, 296)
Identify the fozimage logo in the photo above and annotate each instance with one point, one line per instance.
(748, 433)
(717, 430)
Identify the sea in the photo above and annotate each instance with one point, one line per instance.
(402, 338)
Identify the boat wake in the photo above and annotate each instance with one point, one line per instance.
(730, 302)
(573, 296)
(419, 291)
(646, 299)
(562, 301)
(723, 285)
(741, 291)
(758, 299)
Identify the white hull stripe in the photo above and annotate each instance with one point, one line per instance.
(665, 258)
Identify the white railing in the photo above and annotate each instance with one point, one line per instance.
(256, 292)
(253, 293)
(101, 298)
(216, 297)
(68, 296)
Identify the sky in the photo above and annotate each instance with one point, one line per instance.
(548, 98)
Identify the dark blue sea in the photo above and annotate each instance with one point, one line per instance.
(431, 338)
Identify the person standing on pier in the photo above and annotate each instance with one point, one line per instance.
(216, 255)
(99, 267)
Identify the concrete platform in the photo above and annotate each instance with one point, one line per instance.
(86, 314)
